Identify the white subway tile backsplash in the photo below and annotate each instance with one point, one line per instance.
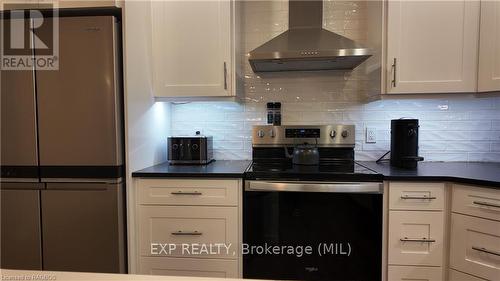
(495, 146)
(444, 135)
(438, 156)
(484, 157)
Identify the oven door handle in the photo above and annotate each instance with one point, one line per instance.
(333, 187)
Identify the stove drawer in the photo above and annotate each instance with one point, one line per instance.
(204, 192)
(475, 246)
(475, 201)
(176, 225)
(416, 238)
(416, 196)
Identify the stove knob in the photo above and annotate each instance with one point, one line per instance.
(333, 134)
(195, 146)
(345, 134)
(272, 134)
(175, 146)
(260, 133)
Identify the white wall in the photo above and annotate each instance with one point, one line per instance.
(147, 122)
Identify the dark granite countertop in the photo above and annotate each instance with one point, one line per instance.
(479, 173)
(216, 169)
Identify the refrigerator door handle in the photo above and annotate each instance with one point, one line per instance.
(82, 180)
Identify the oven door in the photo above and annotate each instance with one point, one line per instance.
(339, 223)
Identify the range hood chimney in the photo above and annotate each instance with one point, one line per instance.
(306, 46)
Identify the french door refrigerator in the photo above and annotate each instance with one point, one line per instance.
(62, 192)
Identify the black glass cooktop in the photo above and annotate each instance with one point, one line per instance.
(338, 170)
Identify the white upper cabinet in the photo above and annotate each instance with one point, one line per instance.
(192, 47)
(489, 47)
(432, 46)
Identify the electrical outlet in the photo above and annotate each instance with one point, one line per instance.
(371, 135)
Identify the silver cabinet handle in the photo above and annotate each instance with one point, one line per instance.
(180, 232)
(185, 193)
(394, 73)
(225, 76)
(482, 203)
(418, 197)
(484, 250)
(425, 240)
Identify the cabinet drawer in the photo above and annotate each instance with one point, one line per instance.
(188, 225)
(416, 196)
(475, 201)
(405, 273)
(475, 246)
(188, 192)
(459, 276)
(188, 267)
(416, 238)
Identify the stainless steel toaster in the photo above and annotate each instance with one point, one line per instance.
(193, 150)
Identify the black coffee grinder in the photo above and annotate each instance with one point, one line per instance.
(404, 143)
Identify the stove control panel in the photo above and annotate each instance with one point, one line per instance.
(302, 133)
(286, 135)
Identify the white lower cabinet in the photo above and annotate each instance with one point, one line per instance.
(189, 227)
(406, 273)
(416, 231)
(184, 225)
(189, 267)
(475, 246)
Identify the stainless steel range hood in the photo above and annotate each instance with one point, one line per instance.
(306, 46)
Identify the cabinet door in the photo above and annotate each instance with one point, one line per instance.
(416, 238)
(203, 192)
(420, 273)
(475, 201)
(489, 47)
(459, 276)
(192, 48)
(183, 225)
(416, 196)
(475, 246)
(192, 267)
(432, 46)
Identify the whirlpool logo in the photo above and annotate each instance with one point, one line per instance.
(30, 37)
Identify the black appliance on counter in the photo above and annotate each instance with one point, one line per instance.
(190, 150)
(404, 143)
(334, 208)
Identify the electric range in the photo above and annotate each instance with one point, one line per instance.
(272, 146)
(334, 208)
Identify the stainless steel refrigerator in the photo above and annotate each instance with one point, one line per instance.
(62, 191)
